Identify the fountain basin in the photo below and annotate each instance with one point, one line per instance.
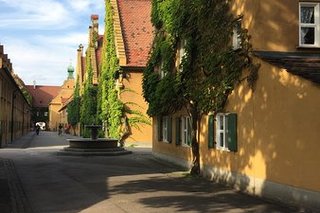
(93, 146)
(87, 143)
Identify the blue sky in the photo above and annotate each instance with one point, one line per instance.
(41, 37)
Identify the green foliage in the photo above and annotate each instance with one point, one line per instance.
(110, 107)
(27, 95)
(73, 107)
(112, 111)
(88, 108)
(210, 68)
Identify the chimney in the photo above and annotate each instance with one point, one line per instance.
(95, 22)
(34, 84)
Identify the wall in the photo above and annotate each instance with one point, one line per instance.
(56, 117)
(14, 109)
(277, 135)
(278, 123)
(132, 93)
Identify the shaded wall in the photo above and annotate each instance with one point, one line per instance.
(132, 93)
(15, 112)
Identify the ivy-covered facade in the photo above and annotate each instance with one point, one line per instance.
(249, 131)
(109, 72)
(128, 36)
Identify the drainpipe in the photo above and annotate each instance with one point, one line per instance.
(22, 126)
(12, 112)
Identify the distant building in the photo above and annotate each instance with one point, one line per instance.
(41, 97)
(14, 108)
(56, 116)
(95, 51)
(133, 38)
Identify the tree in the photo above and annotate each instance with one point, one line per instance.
(210, 68)
(73, 108)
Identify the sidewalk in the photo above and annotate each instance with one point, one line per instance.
(12, 197)
(22, 142)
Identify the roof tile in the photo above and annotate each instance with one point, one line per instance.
(42, 95)
(135, 16)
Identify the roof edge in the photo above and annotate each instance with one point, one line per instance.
(119, 42)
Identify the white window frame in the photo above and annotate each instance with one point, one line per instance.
(162, 72)
(236, 39)
(222, 145)
(185, 130)
(165, 120)
(315, 25)
(182, 53)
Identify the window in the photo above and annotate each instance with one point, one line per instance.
(309, 29)
(186, 131)
(225, 128)
(182, 53)
(165, 129)
(221, 131)
(45, 114)
(162, 72)
(183, 131)
(236, 36)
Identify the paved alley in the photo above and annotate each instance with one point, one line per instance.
(41, 181)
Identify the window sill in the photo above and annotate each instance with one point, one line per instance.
(223, 149)
(185, 145)
(307, 48)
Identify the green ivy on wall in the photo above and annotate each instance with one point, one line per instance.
(117, 116)
(110, 107)
(73, 108)
(88, 109)
(210, 68)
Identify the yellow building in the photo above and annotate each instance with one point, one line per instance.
(56, 116)
(276, 154)
(133, 38)
(14, 108)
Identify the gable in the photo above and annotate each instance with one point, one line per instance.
(136, 29)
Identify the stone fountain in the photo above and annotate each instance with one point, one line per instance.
(93, 146)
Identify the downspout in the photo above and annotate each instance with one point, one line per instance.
(22, 130)
(12, 113)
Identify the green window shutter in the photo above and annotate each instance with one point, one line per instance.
(211, 132)
(159, 123)
(232, 131)
(189, 139)
(178, 131)
(169, 129)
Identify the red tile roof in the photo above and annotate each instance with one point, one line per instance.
(135, 17)
(42, 95)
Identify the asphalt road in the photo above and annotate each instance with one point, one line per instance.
(41, 182)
